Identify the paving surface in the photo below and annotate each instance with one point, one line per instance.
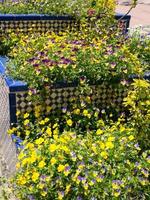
(140, 15)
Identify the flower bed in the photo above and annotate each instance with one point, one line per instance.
(77, 142)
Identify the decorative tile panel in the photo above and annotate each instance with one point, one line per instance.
(44, 23)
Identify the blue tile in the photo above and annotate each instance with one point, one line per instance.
(12, 108)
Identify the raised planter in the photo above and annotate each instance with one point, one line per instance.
(43, 23)
(14, 97)
(13, 94)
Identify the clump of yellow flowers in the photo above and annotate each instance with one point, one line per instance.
(101, 160)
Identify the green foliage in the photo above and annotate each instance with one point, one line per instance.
(140, 45)
(87, 158)
(5, 189)
(104, 163)
(138, 102)
(78, 8)
(49, 59)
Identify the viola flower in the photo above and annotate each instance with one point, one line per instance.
(91, 12)
(61, 194)
(67, 170)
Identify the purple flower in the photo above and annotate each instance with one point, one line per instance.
(64, 109)
(67, 168)
(35, 65)
(33, 91)
(101, 176)
(79, 198)
(80, 178)
(118, 182)
(66, 61)
(31, 197)
(46, 60)
(41, 53)
(137, 164)
(31, 59)
(75, 49)
(73, 154)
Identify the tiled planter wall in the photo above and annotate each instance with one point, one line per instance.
(13, 94)
(13, 97)
(43, 23)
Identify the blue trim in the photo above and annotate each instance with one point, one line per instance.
(17, 17)
(119, 15)
(16, 86)
(12, 108)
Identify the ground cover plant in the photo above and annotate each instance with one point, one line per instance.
(103, 160)
(45, 61)
(78, 8)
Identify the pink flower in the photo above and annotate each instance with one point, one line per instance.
(91, 12)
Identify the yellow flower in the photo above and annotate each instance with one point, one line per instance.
(55, 132)
(25, 161)
(85, 186)
(18, 113)
(85, 112)
(41, 164)
(94, 148)
(30, 145)
(104, 154)
(27, 132)
(122, 128)
(26, 122)
(60, 195)
(40, 185)
(21, 155)
(37, 114)
(32, 159)
(111, 138)
(67, 188)
(116, 194)
(43, 193)
(26, 115)
(55, 137)
(66, 149)
(42, 122)
(46, 119)
(99, 131)
(109, 145)
(131, 137)
(102, 145)
(18, 165)
(76, 111)
(60, 168)
(99, 179)
(52, 148)
(35, 176)
(49, 131)
(69, 122)
(53, 161)
(22, 180)
(55, 125)
(11, 131)
(48, 108)
(39, 141)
